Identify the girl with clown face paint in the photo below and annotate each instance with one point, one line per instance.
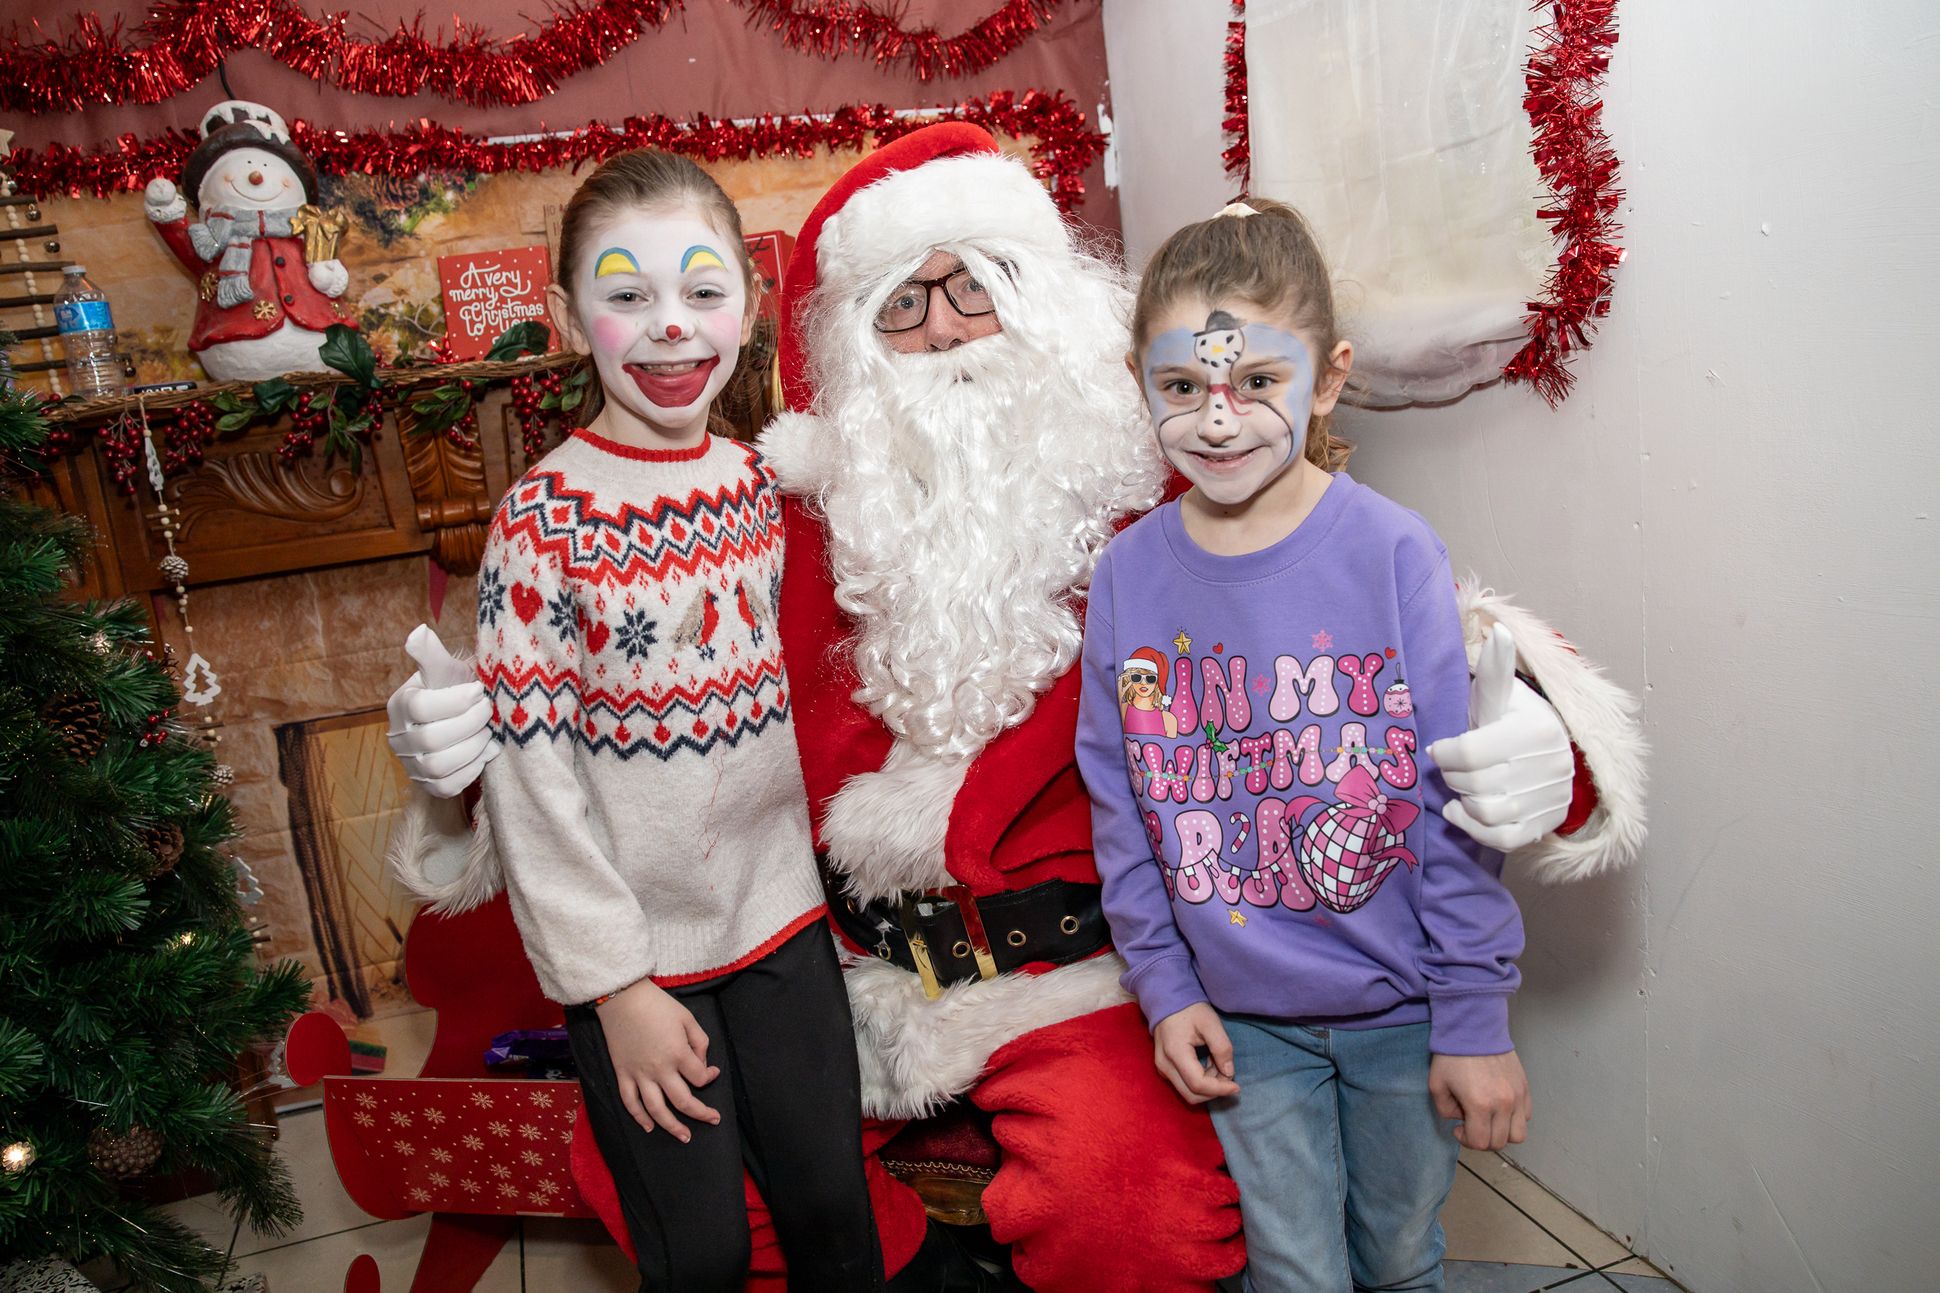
(1277, 869)
(646, 805)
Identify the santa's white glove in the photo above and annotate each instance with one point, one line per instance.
(440, 719)
(162, 202)
(1513, 768)
(329, 277)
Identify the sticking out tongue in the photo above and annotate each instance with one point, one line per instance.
(673, 387)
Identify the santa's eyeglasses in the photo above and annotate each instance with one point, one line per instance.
(909, 305)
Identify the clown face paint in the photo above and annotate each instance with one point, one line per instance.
(1229, 398)
(663, 312)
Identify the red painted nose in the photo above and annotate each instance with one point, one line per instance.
(255, 177)
(673, 332)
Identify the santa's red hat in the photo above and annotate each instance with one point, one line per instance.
(946, 183)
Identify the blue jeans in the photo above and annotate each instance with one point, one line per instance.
(1341, 1160)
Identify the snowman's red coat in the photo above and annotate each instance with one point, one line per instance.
(278, 274)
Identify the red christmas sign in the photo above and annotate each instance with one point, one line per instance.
(487, 292)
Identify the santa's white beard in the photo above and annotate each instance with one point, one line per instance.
(971, 493)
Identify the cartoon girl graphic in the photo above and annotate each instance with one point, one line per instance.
(1141, 706)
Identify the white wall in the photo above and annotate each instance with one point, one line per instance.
(1735, 1047)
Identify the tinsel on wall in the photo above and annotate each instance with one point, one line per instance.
(1064, 144)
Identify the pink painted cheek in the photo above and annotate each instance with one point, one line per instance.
(611, 335)
(721, 329)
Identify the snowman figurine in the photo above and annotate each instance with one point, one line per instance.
(263, 302)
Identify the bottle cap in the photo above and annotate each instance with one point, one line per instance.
(74, 269)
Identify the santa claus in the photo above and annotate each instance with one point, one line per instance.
(965, 443)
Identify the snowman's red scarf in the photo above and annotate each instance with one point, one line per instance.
(233, 233)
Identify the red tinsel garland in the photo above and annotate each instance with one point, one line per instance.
(1575, 158)
(1238, 156)
(1064, 145)
(832, 27)
(182, 41)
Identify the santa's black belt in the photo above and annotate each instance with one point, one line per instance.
(947, 936)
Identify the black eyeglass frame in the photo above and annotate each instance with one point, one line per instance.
(929, 285)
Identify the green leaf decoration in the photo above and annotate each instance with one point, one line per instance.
(345, 350)
(274, 395)
(529, 338)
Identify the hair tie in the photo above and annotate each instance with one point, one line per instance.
(1238, 210)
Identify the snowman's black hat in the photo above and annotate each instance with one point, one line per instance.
(227, 139)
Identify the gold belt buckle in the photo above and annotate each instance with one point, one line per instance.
(919, 948)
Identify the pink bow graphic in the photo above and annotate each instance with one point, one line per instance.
(1361, 798)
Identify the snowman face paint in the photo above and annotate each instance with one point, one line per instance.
(663, 311)
(250, 179)
(1230, 398)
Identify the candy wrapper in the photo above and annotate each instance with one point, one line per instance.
(533, 1052)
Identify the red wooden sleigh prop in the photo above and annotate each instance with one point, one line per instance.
(475, 1151)
(478, 1152)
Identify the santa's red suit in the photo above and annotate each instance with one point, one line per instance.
(279, 284)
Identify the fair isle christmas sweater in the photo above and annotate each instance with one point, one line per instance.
(1267, 830)
(647, 805)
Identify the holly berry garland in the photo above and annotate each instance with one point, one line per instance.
(346, 414)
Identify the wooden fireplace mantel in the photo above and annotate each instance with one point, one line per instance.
(244, 512)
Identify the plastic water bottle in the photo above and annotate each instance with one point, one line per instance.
(88, 335)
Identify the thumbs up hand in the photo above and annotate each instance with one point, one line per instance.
(1513, 769)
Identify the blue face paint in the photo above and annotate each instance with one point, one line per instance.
(1230, 402)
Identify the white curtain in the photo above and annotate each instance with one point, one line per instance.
(1397, 128)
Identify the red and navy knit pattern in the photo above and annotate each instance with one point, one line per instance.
(634, 626)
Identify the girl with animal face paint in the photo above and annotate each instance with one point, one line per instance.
(1277, 868)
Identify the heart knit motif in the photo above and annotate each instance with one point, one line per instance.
(526, 601)
(596, 637)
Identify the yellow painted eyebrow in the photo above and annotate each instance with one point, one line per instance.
(701, 257)
(615, 260)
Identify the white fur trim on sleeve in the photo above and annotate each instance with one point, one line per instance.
(792, 445)
(1602, 722)
(917, 1054)
(449, 866)
(897, 221)
(884, 830)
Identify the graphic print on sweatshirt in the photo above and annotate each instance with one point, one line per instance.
(644, 630)
(1261, 786)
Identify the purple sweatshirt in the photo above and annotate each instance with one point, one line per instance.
(1269, 837)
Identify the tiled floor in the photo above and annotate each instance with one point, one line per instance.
(1506, 1234)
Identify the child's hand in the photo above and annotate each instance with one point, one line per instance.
(1488, 1093)
(1175, 1049)
(659, 1054)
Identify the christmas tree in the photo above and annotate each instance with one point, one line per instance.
(128, 980)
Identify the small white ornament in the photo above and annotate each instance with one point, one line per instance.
(249, 890)
(154, 462)
(199, 683)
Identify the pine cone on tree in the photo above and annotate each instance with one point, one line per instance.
(164, 840)
(77, 718)
(123, 1155)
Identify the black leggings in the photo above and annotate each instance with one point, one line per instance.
(790, 1100)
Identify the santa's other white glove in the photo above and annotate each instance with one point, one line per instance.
(329, 277)
(162, 202)
(1513, 768)
(440, 719)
